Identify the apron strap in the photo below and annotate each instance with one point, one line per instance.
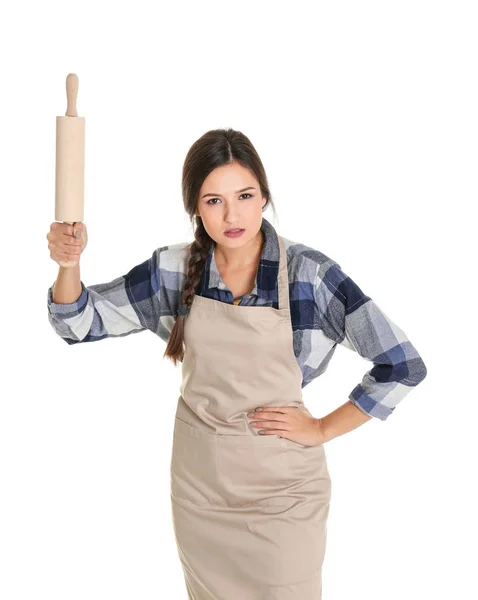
(283, 276)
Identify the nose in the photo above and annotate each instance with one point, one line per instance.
(231, 216)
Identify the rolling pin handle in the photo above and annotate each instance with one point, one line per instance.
(71, 95)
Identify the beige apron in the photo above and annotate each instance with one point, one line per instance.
(249, 510)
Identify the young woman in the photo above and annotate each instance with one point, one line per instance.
(253, 317)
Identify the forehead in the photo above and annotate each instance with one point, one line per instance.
(228, 178)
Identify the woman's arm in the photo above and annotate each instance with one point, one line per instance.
(67, 287)
(342, 420)
(127, 304)
(354, 320)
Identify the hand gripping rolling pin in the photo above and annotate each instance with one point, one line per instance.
(70, 160)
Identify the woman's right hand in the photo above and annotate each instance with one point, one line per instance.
(65, 247)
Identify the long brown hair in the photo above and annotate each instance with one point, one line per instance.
(215, 148)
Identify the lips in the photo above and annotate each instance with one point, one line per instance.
(234, 230)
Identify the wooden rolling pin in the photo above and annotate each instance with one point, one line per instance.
(70, 160)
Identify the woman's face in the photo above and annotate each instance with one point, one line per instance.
(225, 203)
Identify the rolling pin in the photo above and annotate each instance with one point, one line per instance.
(70, 160)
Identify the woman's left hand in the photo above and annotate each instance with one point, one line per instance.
(290, 422)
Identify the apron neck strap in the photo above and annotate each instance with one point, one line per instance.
(283, 276)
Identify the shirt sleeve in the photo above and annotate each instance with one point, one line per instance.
(354, 320)
(126, 305)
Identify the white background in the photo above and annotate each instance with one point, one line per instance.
(365, 117)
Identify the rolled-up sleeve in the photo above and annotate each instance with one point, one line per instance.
(356, 322)
(127, 304)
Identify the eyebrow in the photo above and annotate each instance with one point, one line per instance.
(237, 192)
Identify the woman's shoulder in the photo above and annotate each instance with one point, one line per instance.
(173, 257)
(306, 262)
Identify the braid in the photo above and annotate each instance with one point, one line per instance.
(198, 252)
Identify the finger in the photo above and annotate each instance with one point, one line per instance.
(67, 256)
(68, 240)
(63, 229)
(278, 409)
(266, 417)
(266, 423)
(278, 432)
(266, 414)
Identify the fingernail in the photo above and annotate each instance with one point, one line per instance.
(78, 233)
(259, 409)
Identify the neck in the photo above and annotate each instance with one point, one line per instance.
(242, 257)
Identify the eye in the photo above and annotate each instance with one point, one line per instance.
(209, 201)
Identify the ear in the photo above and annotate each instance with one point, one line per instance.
(265, 202)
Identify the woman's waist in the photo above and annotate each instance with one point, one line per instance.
(205, 417)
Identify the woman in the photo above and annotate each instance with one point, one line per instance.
(253, 317)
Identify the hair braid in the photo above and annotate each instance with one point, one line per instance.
(198, 252)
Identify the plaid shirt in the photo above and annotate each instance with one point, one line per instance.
(327, 308)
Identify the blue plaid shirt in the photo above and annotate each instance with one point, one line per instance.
(327, 308)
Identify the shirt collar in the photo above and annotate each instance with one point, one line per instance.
(265, 284)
